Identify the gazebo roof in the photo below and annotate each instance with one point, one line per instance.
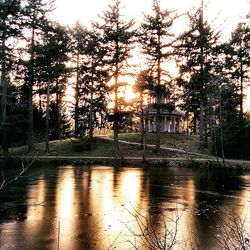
(175, 112)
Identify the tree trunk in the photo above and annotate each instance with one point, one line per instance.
(158, 111)
(116, 108)
(77, 98)
(195, 124)
(91, 109)
(4, 86)
(221, 134)
(206, 127)
(143, 141)
(30, 132)
(201, 125)
(58, 122)
(241, 87)
(47, 118)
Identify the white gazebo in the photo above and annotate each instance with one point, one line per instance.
(169, 121)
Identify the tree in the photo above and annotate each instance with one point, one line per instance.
(51, 58)
(238, 58)
(118, 41)
(93, 88)
(142, 83)
(78, 43)
(9, 29)
(197, 59)
(230, 131)
(34, 16)
(157, 40)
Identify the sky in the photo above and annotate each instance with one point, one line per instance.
(223, 15)
(220, 13)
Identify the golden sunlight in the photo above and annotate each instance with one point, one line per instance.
(65, 196)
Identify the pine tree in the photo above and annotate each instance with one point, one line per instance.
(34, 17)
(78, 44)
(9, 29)
(93, 88)
(238, 56)
(118, 41)
(197, 59)
(157, 41)
(51, 58)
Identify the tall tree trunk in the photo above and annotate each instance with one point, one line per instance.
(241, 85)
(195, 124)
(77, 97)
(158, 111)
(30, 132)
(58, 122)
(91, 108)
(47, 117)
(206, 127)
(4, 86)
(221, 134)
(201, 128)
(116, 108)
(143, 139)
(201, 125)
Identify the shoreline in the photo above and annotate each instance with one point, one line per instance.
(136, 161)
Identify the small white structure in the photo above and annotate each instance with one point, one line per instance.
(169, 121)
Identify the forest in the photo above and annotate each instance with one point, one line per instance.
(40, 60)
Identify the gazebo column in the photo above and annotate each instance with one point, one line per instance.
(177, 125)
(168, 125)
(174, 125)
(154, 124)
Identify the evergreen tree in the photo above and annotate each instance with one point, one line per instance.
(238, 56)
(157, 40)
(51, 58)
(118, 41)
(34, 17)
(197, 59)
(9, 30)
(78, 44)
(93, 87)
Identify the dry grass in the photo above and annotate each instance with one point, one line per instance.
(180, 141)
(99, 148)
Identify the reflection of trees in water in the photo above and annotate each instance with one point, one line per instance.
(99, 198)
(13, 205)
(214, 188)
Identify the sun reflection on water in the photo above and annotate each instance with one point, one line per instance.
(65, 195)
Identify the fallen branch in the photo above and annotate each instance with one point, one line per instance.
(25, 167)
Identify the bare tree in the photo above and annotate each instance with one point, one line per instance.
(233, 235)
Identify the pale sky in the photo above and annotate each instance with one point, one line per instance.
(223, 13)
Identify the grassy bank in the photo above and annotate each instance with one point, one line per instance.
(180, 141)
(101, 147)
(104, 151)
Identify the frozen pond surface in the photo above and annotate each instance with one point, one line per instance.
(74, 207)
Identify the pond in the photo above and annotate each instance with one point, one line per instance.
(104, 207)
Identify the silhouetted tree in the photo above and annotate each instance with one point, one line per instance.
(118, 41)
(197, 59)
(34, 16)
(238, 56)
(157, 41)
(9, 30)
(92, 86)
(51, 58)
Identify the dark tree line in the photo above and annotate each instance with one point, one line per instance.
(40, 58)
